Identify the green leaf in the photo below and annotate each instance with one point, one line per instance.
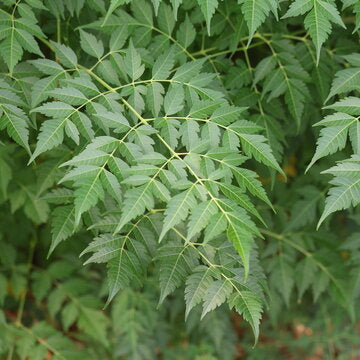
(186, 33)
(332, 139)
(93, 323)
(317, 22)
(121, 270)
(65, 54)
(217, 294)
(28, 42)
(283, 277)
(68, 95)
(15, 121)
(114, 4)
(255, 13)
(176, 262)
(200, 217)
(135, 203)
(163, 65)
(63, 225)
(54, 109)
(154, 97)
(248, 179)
(248, 304)
(217, 225)
(132, 63)
(208, 8)
(344, 81)
(174, 99)
(242, 243)
(11, 51)
(234, 193)
(197, 286)
(178, 209)
(345, 193)
(51, 134)
(88, 194)
(349, 105)
(255, 145)
(118, 38)
(91, 45)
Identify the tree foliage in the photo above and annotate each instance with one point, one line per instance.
(196, 153)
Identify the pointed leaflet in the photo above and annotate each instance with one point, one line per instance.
(200, 217)
(234, 193)
(114, 4)
(91, 45)
(263, 68)
(154, 97)
(298, 7)
(283, 277)
(295, 99)
(11, 51)
(174, 99)
(345, 193)
(317, 22)
(306, 271)
(68, 95)
(346, 168)
(111, 184)
(28, 42)
(354, 134)
(65, 54)
(15, 121)
(104, 248)
(344, 81)
(217, 294)
(163, 65)
(349, 105)
(94, 323)
(135, 203)
(87, 194)
(6, 175)
(304, 211)
(242, 242)
(132, 63)
(58, 196)
(248, 179)
(255, 145)
(165, 18)
(39, 91)
(176, 262)
(88, 157)
(121, 270)
(197, 286)
(208, 8)
(81, 172)
(217, 226)
(255, 13)
(189, 134)
(48, 67)
(118, 37)
(62, 226)
(248, 304)
(175, 4)
(186, 33)
(51, 134)
(188, 71)
(177, 209)
(332, 139)
(54, 109)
